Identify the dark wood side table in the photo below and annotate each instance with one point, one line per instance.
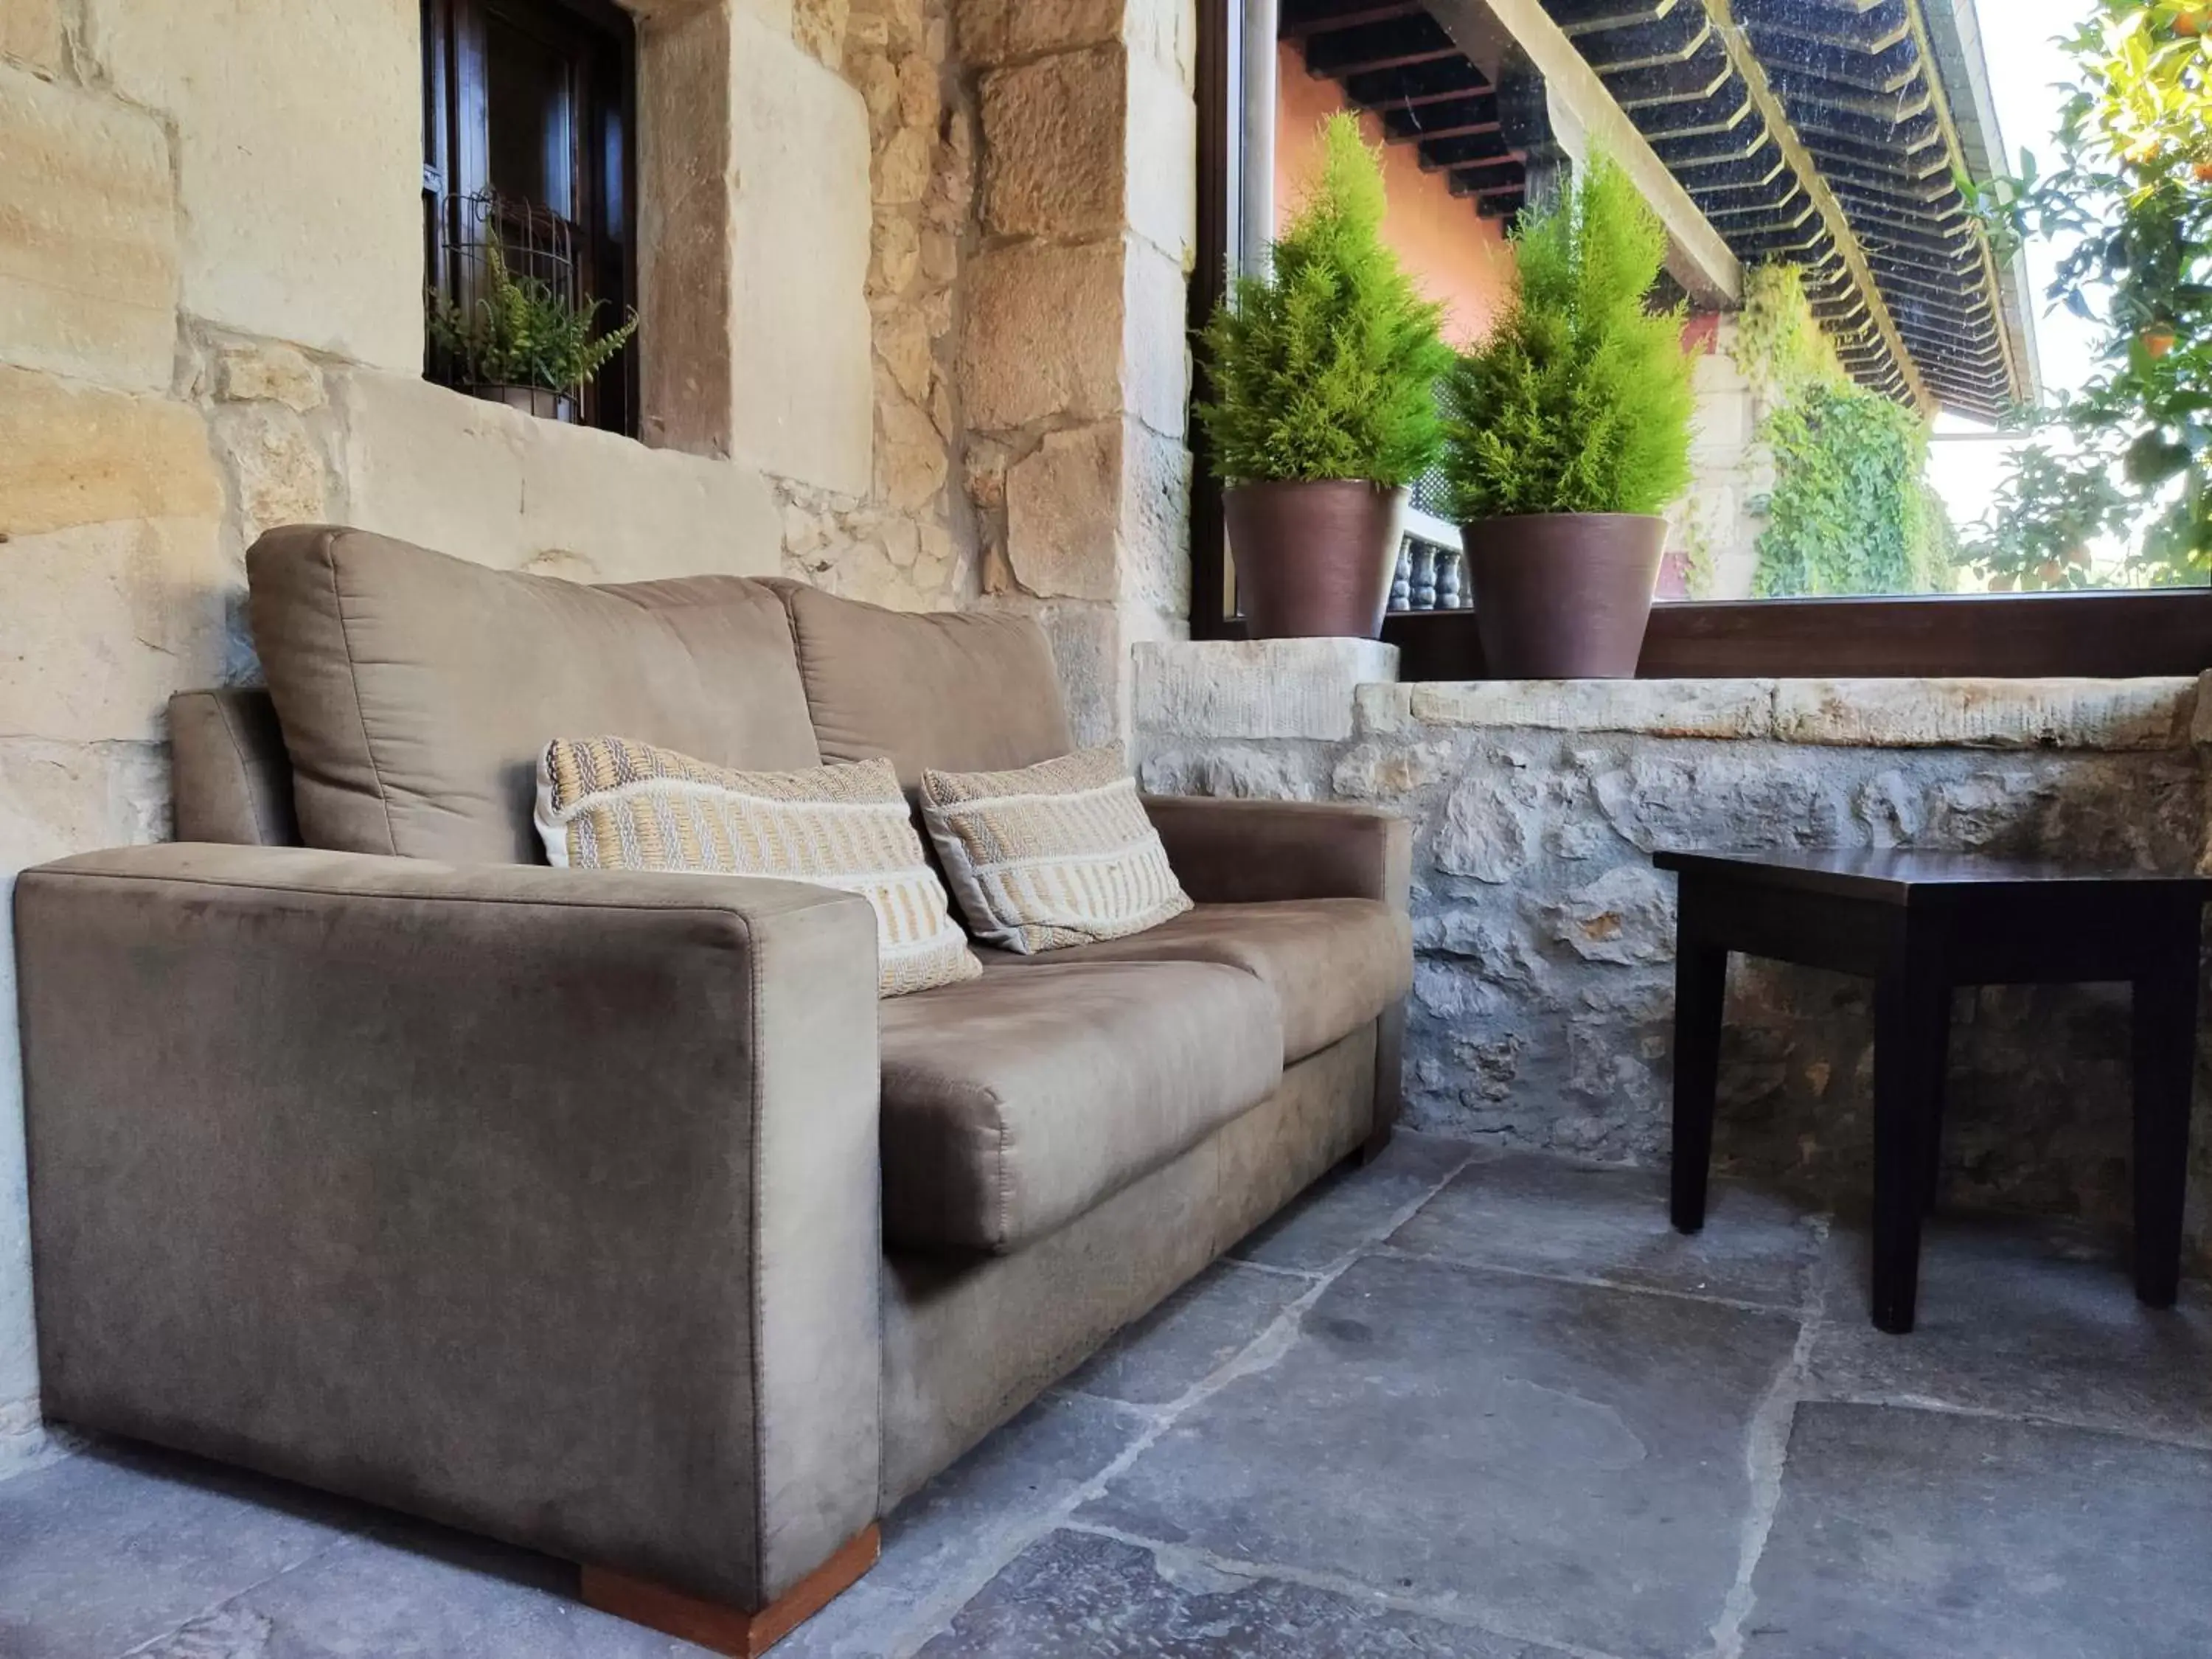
(1918, 924)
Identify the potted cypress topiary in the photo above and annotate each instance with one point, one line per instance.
(1567, 432)
(1324, 372)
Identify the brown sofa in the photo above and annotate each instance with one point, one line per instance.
(611, 1214)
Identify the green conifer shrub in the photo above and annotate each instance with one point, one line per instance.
(1580, 399)
(1326, 366)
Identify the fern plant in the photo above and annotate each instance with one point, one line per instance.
(1580, 399)
(1326, 366)
(520, 333)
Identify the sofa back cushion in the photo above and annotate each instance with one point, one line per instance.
(417, 692)
(962, 692)
(228, 771)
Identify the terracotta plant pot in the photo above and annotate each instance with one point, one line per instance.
(531, 400)
(1563, 595)
(1315, 557)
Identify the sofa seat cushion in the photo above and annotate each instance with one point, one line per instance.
(1014, 1102)
(1332, 963)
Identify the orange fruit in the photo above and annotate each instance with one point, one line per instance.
(2159, 340)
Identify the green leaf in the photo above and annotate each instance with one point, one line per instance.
(1327, 366)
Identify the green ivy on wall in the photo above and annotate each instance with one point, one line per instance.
(1851, 510)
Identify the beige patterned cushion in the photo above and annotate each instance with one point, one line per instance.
(608, 804)
(1050, 855)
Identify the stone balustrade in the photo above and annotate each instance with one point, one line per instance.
(1543, 996)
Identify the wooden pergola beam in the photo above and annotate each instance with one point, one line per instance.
(1584, 115)
(1837, 223)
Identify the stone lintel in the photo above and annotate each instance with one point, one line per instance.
(1987, 714)
(1668, 708)
(1257, 688)
(1870, 713)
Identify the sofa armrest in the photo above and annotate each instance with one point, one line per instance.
(1242, 852)
(541, 1202)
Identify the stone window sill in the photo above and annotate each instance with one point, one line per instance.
(1331, 690)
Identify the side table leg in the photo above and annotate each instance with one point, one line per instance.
(2166, 1065)
(1700, 985)
(1912, 1010)
(1939, 1060)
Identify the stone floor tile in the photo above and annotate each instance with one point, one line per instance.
(414, 1591)
(120, 1545)
(956, 1528)
(1352, 1206)
(1075, 1593)
(1903, 1534)
(1190, 1336)
(1536, 1214)
(2022, 1317)
(1564, 1461)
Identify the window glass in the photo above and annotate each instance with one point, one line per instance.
(527, 115)
(1934, 383)
(530, 110)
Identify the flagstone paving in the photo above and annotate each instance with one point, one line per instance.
(1455, 1404)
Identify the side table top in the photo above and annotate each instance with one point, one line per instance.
(1897, 876)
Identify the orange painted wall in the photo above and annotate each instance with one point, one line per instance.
(1453, 254)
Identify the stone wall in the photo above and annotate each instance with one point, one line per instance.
(1543, 998)
(1071, 356)
(912, 284)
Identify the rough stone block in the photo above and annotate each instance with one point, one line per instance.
(1155, 352)
(1988, 714)
(268, 372)
(1161, 196)
(1100, 512)
(1043, 334)
(818, 26)
(1055, 140)
(1155, 552)
(99, 624)
(72, 455)
(483, 481)
(1288, 771)
(632, 514)
(31, 32)
(1000, 31)
(1165, 30)
(1064, 514)
(1489, 832)
(913, 459)
(277, 468)
(1625, 916)
(1087, 650)
(1673, 709)
(317, 243)
(1234, 689)
(802, 365)
(88, 231)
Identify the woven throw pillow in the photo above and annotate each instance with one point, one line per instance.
(1051, 855)
(608, 804)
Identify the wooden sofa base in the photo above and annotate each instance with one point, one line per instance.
(723, 1629)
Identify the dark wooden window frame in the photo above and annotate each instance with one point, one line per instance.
(2094, 633)
(601, 39)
